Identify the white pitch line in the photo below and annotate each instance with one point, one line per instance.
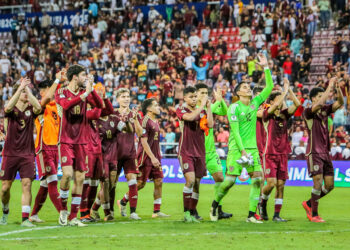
(164, 235)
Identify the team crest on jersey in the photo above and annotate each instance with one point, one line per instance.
(144, 131)
(48, 169)
(112, 124)
(185, 165)
(2, 173)
(234, 118)
(252, 106)
(183, 111)
(324, 113)
(64, 159)
(231, 168)
(268, 171)
(62, 96)
(316, 167)
(280, 124)
(27, 113)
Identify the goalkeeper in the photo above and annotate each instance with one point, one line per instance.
(242, 117)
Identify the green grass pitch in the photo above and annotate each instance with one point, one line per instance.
(172, 233)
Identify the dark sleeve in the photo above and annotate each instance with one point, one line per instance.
(65, 103)
(308, 113)
(9, 114)
(95, 100)
(108, 109)
(93, 114)
(266, 115)
(286, 114)
(145, 130)
(180, 113)
(328, 109)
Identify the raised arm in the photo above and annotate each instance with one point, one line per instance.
(210, 115)
(234, 125)
(108, 108)
(280, 99)
(318, 105)
(33, 101)
(340, 99)
(296, 102)
(268, 78)
(93, 114)
(60, 77)
(194, 114)
(14, 99)
(194, 66)
(138, 127)
(219, 107)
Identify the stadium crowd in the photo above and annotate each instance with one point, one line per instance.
(158, 56)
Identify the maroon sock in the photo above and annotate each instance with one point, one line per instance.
(92, 196)
(278, 205)
(125, 199)
(112, 198)
(84, 198)
(315, 196)
(187, 193)
(106, 209)
(74, 209)
(54, 195)
(64, 198)
(132, 195)
(97, 204)
(39, 200)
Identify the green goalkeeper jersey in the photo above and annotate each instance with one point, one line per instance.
(218, 108)
(242, 119)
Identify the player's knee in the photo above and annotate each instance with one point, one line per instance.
(189, 183)
(219, 178)
(158, 183)
(141, 185)
(26, 185)
(328, 188)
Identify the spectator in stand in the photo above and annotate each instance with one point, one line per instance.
(170, 138)
(325, 8)
(225, 13)
(296, 136)
(336, 151)
(300, 151)
(242, 54)
(201, 71)
(206, 15)
(152, 64)
(337, 49)
(346, 152)
(188, 20)
(245, 33)
(339, 117)
(221, 152)
(296, 45)
(223, 136)
(260, 40)
(287, 68)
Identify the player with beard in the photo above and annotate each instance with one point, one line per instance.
(194, 121)
(73, 140)
(127, 154)
(47, 127)
(19, 152)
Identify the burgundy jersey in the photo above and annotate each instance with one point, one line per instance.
(192, 137)
(276, 131)
(126, 142)
(260, 135)
(94, 135)
(109, 128)
(72, 110)
(19, 133)
(151, 132)
(317, 126)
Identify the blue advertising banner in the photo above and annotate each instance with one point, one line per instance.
(57, 18)
(297, 170)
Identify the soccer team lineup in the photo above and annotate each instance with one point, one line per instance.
(77, 127)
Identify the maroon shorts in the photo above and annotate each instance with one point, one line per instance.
(149, 172)
(109, 167)
(276, 166)
(47, 162)
(74, 155)
(10, 165)
(95, 166)
(320, 164)
(193, 164)
(129, 166)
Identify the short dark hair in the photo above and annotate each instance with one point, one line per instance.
(45, 84)
(74, 70)
(146, 103)
(273, 95)
(257, 89)
(189, 89)
(238, 87)
(201, 86)
(314, 92)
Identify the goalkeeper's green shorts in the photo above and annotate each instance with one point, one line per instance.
(213, 162)
(233, 168)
